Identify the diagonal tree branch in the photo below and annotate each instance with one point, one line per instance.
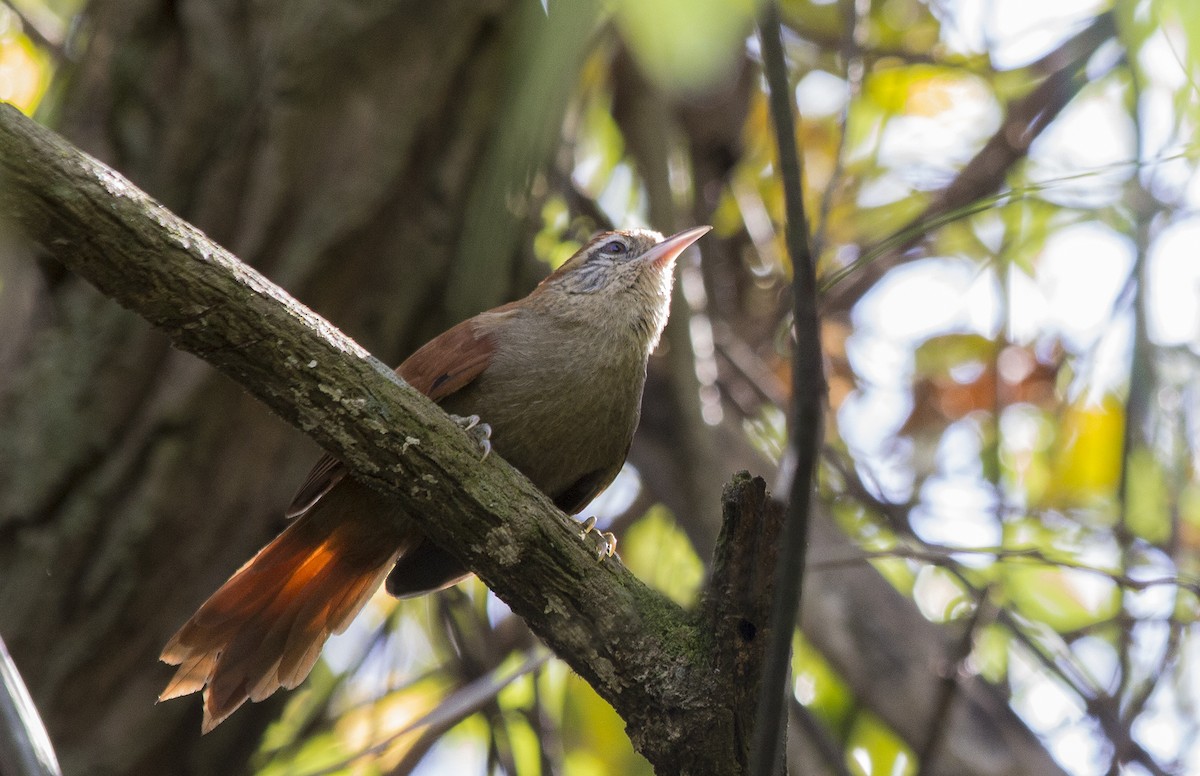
(638, 650)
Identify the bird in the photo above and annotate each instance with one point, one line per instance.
(556, 378)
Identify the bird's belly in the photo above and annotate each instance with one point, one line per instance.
(554, 433)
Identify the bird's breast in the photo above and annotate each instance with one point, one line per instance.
(562, 404)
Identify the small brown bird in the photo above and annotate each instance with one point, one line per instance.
(558, 377)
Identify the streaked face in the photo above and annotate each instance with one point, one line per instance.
(608, 261)
(626, 278)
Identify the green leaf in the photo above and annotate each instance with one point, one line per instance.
(658, 552)
(819, 688)
(686, 45)
(24, 68)
(1063, 599)
(1147, 507)
(593, 736)
(990, 652)
(940, 595)
(938, 355)
(874, 749)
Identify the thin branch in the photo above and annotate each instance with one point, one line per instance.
(461, 703)
(1056, 658)
(808, 391)
(943, 555)
(939, 722)
(827, 42)
(1128, 700)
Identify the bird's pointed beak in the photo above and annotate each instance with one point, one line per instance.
(665, 252)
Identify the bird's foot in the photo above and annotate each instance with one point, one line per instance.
(480, 432)
(608, 540)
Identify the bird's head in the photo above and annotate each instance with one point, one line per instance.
(627, 273)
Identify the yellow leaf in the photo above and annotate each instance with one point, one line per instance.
(989, 655)
(1189, 527)
(593, 737)
(24, 72)
(923, 90)
(819, 688)
(1087, 464)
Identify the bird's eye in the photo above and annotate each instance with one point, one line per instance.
(615, 247)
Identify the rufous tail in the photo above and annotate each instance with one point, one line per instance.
(264, 628)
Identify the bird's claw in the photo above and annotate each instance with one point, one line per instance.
(480, 432)
(608, 540)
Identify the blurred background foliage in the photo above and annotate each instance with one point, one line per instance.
(1004, 202)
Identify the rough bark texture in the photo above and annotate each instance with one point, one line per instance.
(737, 605)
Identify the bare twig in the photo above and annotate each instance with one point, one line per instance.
(461, 703)
(808, 390)
(943, 555)
(938, 723)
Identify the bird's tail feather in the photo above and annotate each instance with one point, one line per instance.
(264, 628)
